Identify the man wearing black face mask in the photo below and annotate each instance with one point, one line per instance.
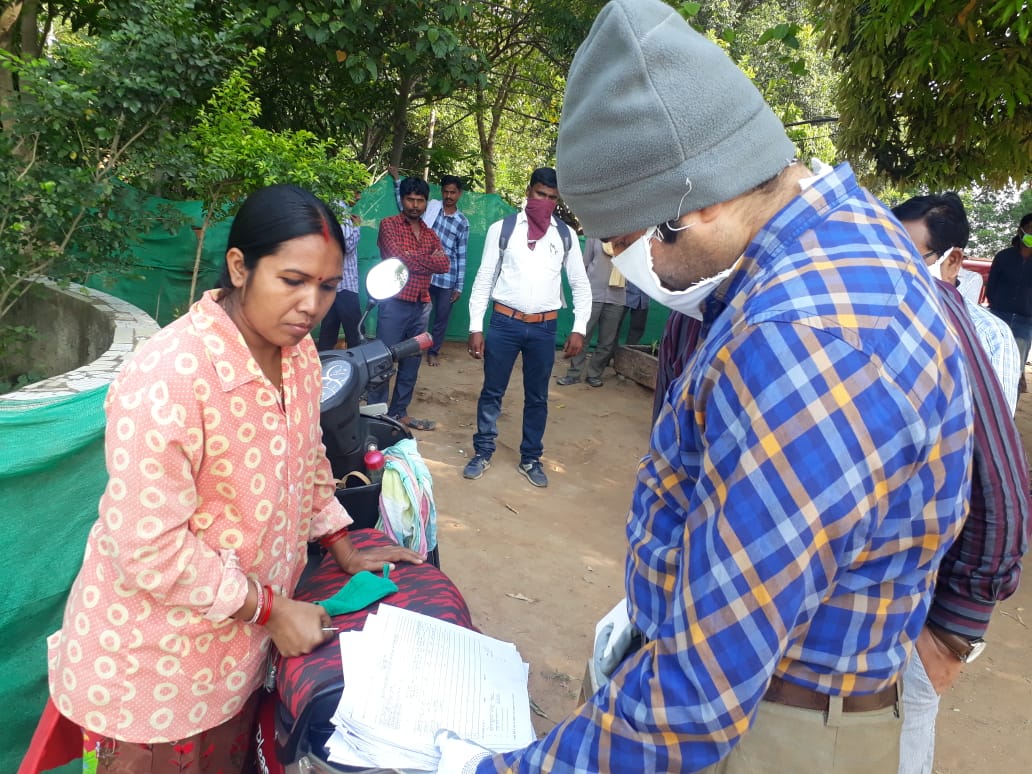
(524, 281)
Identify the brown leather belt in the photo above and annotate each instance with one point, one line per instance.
(793, 695)
(537, 317)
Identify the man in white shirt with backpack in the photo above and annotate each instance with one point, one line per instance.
(520, 276)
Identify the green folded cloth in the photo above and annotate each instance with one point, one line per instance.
(362, 590)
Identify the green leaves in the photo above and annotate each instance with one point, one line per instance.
(690, 10)
(98, 108)
(935, 93)
(234, 155)
(343, 65)
(784, 32)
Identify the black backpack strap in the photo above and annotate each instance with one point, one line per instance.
(564, 231)
(508, 224)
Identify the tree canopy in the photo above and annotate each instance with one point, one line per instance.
(914, 93)
(934, 92)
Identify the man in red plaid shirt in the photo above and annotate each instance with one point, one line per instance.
(407, 237)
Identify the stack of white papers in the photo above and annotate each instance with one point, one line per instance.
(407, 676)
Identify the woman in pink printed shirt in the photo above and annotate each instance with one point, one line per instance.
(217, 481)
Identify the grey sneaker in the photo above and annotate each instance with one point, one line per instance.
(475, 467)
(533, 472)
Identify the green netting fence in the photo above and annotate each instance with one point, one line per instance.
(52, 458)
(157, 280)
(51, 477)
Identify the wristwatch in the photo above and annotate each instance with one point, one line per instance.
(964, 648)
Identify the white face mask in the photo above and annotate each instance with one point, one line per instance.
(936, 268)
(635, 263)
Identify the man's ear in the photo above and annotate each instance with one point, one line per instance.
(951, 266)
(237, 269)
(709, 213)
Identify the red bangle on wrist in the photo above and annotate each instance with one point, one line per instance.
(267, 609)
(328, 540)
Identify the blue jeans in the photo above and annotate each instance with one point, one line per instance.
(1021, 327)
(507, 338)
(345, 312)
(920, 708)
(442, 303)
(396, 321)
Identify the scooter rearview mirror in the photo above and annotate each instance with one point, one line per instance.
(386, 279)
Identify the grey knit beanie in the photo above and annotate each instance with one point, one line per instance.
(654, 112)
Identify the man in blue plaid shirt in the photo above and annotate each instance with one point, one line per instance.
(451, 226)
(806, 472)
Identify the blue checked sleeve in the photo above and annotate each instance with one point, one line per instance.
(772, 530)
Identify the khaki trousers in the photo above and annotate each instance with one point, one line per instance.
(787, 740)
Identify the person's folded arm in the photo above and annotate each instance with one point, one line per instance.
(433, 260)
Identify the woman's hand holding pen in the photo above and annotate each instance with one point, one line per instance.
(298, 628)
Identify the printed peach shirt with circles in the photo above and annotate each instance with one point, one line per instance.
(210, 482)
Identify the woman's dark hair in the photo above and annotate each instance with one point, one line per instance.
(414, 185)
(274, 215)
(1023, 224)
(545, 176)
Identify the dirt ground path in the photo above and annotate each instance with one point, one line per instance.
(538, 567)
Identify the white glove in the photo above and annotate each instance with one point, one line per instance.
(458, 755)
(612, 637)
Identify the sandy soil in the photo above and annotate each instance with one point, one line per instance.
(538, 567)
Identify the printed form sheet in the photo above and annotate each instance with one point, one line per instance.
(407, 676)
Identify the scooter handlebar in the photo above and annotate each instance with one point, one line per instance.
(412, 346)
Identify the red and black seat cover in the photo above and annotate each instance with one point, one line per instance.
(309, 687)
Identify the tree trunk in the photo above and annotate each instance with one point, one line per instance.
(487, 133)
(9, 26)
(430, 142)
(31, 43)
(487, 152)
(213, 202)
(399, 120)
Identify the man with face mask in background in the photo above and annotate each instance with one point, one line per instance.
(811, 465)
(524, 282)
(939, 227)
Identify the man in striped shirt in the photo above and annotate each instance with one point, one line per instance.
(810, 467)
(983, 566)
